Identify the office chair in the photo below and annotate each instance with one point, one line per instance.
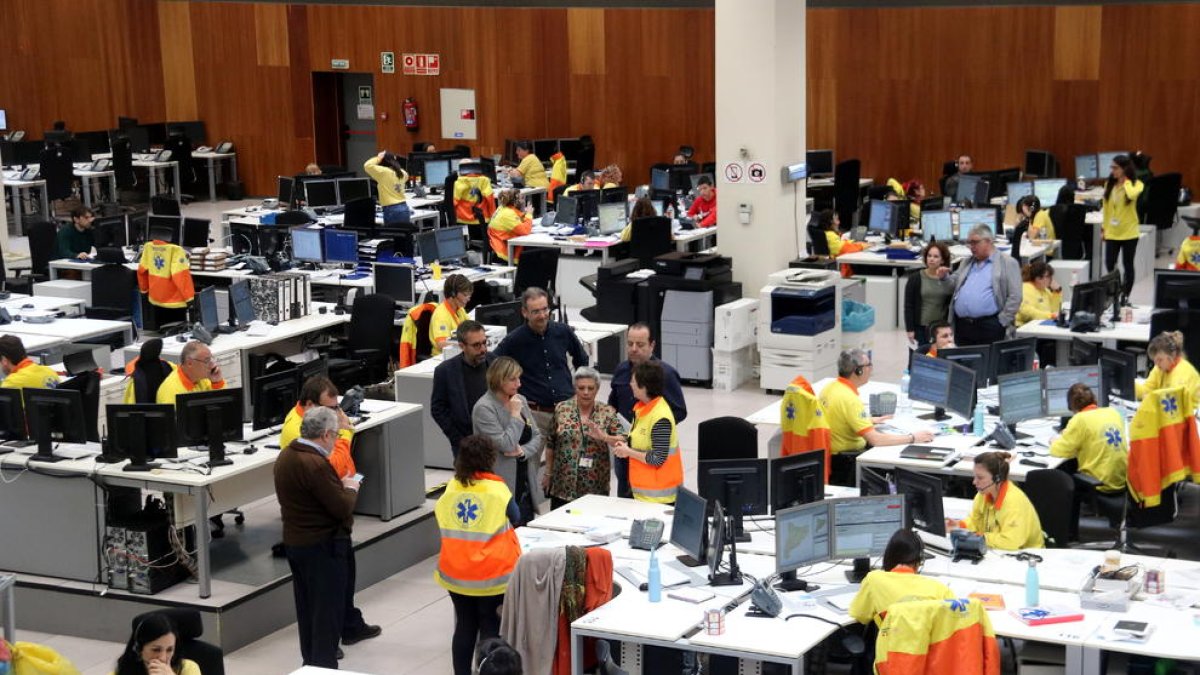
(59, 173)
(149, 371)
(296, 217)
(17, 284)
(1052, 493)
(1125, 514)
(845, 190)
(1072, 230)
(650, 238)
(727, 438)
(538, 267)
(165, 205)
(208, 657)
(114, 290)
(818, 244)
(41, 249)
(181, 151)
(368, 342)
(1015, 239)
(586, 159)
(122, 162)
(1162, 201)
(558, 191)
(359, 215)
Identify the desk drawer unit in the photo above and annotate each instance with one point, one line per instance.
(779, 366)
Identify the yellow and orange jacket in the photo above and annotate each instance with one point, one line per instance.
(1189, 254)
(802, 421)
(1164, 447)
(507, 224)
(409, 333)
(166, 275)
(479, 546)
(339, 457)
(558, 174)
(470, 191)
(937, 636)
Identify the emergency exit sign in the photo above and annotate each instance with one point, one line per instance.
(421, 64)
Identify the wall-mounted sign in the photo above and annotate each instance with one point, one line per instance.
(387, 62)
(340, 64)
(421, 64)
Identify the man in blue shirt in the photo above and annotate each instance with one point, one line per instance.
(639, 348)
(541, 346)
(987, 291)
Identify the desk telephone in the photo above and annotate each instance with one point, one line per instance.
(101, 164)
(646, 534)
(224, 147)
(162, 156)
(204, 148)
(883, 404)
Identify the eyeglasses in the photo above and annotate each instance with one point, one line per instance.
(210, 360)
(475, 345)
(539, 311)
(975, 242)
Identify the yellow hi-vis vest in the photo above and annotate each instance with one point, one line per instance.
(479, 546)
(654, 483)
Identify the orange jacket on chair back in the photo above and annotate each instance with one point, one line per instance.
(953, 637)
(165, 274)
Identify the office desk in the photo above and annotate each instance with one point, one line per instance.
(86, 177)
(213, 161)
(45, 303)
(1108, 336)
(17, 190)
(41, 345)
(72, 329)
(154, 168)
(423, 219)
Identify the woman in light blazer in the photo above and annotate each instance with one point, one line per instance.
(503, 416)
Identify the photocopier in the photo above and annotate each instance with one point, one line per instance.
(799, 326)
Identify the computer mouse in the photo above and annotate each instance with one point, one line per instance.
(181, 338)
(27, 306)
(338, 310)
(250, 449)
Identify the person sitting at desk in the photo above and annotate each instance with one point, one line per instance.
(642, 208)
(610, 176)
(313, 169)
(76, 240)
(655, 461)
(851, 428)
(450, 312)
(1041, 296)
(1189, 254)
(704, 209)
(390, 177)
(831, 224)
(1171, 366)
(151, 650)
(1033, 225)
(1001, 512)
(530, 170)
(1096, 438)
(197, 371)
(965, 165)
(20, 372)
(474, 203)
(1120, 218)
(511, 220)
(587, 181)
(898, 581)
(914, 191)
(926, 298)
(943, 338)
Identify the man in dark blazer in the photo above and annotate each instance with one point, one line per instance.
(459, 382)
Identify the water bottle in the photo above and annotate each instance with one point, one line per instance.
(905, 404)
(1037, 365)
(655, 579)
(977, 426)
(1031, 584)
(1081, 183)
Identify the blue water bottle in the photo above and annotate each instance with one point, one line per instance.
(1031, 584)
(654, 578)
(977, 427)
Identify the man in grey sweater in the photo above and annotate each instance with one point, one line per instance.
(987, 291)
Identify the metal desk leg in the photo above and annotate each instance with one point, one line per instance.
(1076, 660)
(46, 203)
(233, 168)
(152, 172)
(576, 653)
(8, 589)
(17, 215)
(178, 189)
(212, 179)
(87, 190)
(112, 187)
(203, 541)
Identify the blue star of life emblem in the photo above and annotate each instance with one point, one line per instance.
(1170, 405)
(159, 263)
(791, 411)
(1113, 436)
(467, 511)
(1195, 257)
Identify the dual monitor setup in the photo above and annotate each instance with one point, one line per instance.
(274, 394)
(608, 206)
(1095, 166)
(321, 192)
(240, 301)
(316, 245)
(1046, 190)
(187, 232)
(942, 225)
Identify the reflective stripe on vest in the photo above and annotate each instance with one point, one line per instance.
(479, 547)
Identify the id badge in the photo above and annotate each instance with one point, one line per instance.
(585, 462)
(1114, 221)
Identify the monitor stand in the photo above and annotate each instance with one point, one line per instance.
(216, 445)
(688, 561)
(862, 566)
(45, 444)
(938, 415)
(734, 576)
(788, 583)
(1012, 429)
(137, 456)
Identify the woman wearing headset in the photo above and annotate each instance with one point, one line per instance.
(899, 580)
(151, 650)
(511, 219)
(1001, 512)
(1120, 223)
(1171, 366)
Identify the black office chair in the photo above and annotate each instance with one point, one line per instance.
(727, 438)
(149, 371)
(293, 217)
(817, 243)
(58, 172)
(360, 215)
(845, 190)
(1072, 230)
(368, 342)
(1125, 514)
(114, 289)
(649, 238)
(42, 237)
(1014, 239)
(1052, 493)
(208, 657)
(122, 162)
(557, 193)
(538, 267)
(586, 159)
(1162, 200)
(165, 205)
(181, 151)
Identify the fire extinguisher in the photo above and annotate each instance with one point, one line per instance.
(411, 114)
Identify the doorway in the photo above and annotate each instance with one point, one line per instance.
(341, 137)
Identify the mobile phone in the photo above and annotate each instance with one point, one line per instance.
(358, 477)
(1133, 628)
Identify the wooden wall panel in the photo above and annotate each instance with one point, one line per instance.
(179, 66)
(1077, 43)
(586, 39)
(270, 34)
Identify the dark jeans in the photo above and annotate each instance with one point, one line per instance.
(352, 623)
(621, 471)
(397, 214)
(981, 331)
(1126, 248)
(476, 618)
(320, 573)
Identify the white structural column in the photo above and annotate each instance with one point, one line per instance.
(760, 113)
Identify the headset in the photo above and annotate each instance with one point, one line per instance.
(134, 644)
(1029, 200)
(858, 369)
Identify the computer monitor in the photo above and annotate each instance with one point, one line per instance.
(681, 177)
(862, 527)
(451, 244)
(96, 142)
(922, 500)
(427, 245)
(739, 484)
(243, 303)
(1087, 166)
(718, 536)
(820, 162)
(1017, 190)
(272, 396)
(881, 216)
(163, 228)
(971, 189)
(108, 231)
(12, 415)
(977, 357)
(872, 483)
(320, 193)
(141, 432)
(587, 204)
(195, 232)
(54, 416)
(1013, 356)
(660, 179)
(962, 391)
(545, 148)
(969, 218)
(1177, 290)
(1104, 160)
(56, 136)
(614, 195)
(565, 212)
(612, 218)
(1040, 163)
(312, 368)
(1090, 296)
(1083, 352)
(139, 138)
(436, 172)
(341, 246)
(194, 130)
(797, 479)
(1118, 370)
(210, 418)
(803, 537)
(25, 153)
(1058, 381)
(930, 383)
(3, 119)
(937, 226)
(396, 282)
(353, 188)
(689, 525)
(1020, 396)
(507, 314)
(207, 299)
(1046, 190)
(306, 244)
(284, 188)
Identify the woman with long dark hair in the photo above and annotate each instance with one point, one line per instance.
(1120, 222)
(151, 650)
(390, 177)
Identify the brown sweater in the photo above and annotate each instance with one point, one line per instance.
(314, 505)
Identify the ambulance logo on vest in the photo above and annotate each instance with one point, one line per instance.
(1113, 436)
(791, 411)
(159, 263)
(1195, 257)
(467, 510)
(1170, 405)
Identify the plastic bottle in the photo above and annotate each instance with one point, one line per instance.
(654, 578)
(977, 426)
(1081, 183)
(1037, 365)
(905, 406)
(1031, 584)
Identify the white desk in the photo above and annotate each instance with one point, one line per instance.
(1108, 335)
(86, 177)
(154, 168)
(72, 329)
(36, 344)
(44, 303)
(213, 161)
(18, 190)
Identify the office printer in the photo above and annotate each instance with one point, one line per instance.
(799, 326)
(694, 266)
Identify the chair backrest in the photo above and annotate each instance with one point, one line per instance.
(1071, 228)
(56, 168)
(163, 205)
(122, 161)
(727, 438)
(41, 246)
(1138, 517)
(1162, 200)
(1052, 493)
(293, 217)
(359, 214)
(537, 266)
(845, 189)
(945, 636)
(650, 238)
(113, 287)
(557, 193)
(371, 322)
(817, 241)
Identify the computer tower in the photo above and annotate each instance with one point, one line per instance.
(116, 558)
(150, 557)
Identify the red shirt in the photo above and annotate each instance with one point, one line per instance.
(707, 207)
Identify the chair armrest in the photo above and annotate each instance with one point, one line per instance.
(1085, 482)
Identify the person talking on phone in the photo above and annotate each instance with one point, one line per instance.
(197, 371)
(1001, 512)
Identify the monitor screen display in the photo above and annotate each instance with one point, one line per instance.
(882, 216)
(208, 309)
(969, 218)
(1047, 190)
(1039, 163)
(1060, 380)
(565, 211)
(802, 536)
(863, 525)
(976, 357)
(3, 119)
(820, 162)
(1087, 166)
(689, 522)
(243, 304)
(612, 218)
(436, 172)
(660, 179)
(962, 391)
(353, 188)
(968, 186)
(427, 245)
(306, 244)
(341, 246)
(285, 185)
(930, 380)
(1105, 160)
(937, 225)
(451, 244)
(320, 193)
(1018, 190)
(396, 282)
(1021, 396)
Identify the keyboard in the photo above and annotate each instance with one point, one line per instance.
(926, 452)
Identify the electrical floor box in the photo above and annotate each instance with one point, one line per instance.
(687, 333)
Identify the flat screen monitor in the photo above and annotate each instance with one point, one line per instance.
(436, 172)
(209, 318)
(820, 162)
(689, 524)
(717, 534)
(1087, 167)
(614, 195)
(1040, 163)
(930, 380)
(141, 432)
(962, 390)
(1013, 356)
(803, 536)
(937, 226)
(971, 189)
(969, 218)
(195, 232)
(341, 246)
(1177, 290)
(272, 396)
(312, 368)
(507, 314)
(243, 304)
(414, 164)
(163, 228)
(1046, 190)
(396, 282)
(306, 244)
(587, 204)
(210, 418)
(565, 212)
(1084, 353)
(1058, 381)
(194, 130)
(570, 148)
(320, 193)
(872, 483)
(863, 526)
(56, 136)
(978, 358)
(108, 231)
(1020, 396)
(353, 188)
(922, 500)
(660, 179)
(881, 216)
(96, 142)
(544, 148)
(681, 177)
(451, 244)
(54, 416)
(3, 119)
(660, 206)
(1090, 296)
(1118, 370)
(612, 218)
(12, 414)
(25, 153)
(1105, 160)
(1018, 190)
(739, 484)
(797, 479)
(139, 138)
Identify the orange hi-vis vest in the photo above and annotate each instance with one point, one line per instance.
(471, 191)
(1189, 254)
(803, 423)
(506, 224)
(654, 483)
(558, 174)
(166, 275)
(479, 546)
(409, 334)
(937, 636)
(1164, 447)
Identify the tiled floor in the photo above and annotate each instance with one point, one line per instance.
(415, 613)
